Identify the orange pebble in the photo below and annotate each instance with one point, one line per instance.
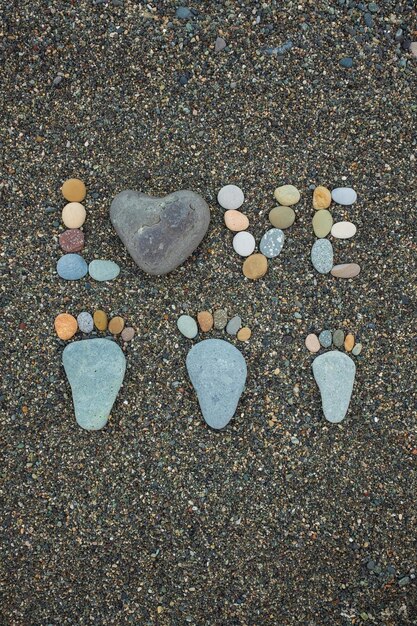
(235, 220)
(65, 326)
(100, 320)
(116, 325)
(73, 190)
(349, 342)
(255, 266)
(244, 334)
(205, 321)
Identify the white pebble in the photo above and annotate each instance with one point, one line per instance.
(230, 197)
(244, 243)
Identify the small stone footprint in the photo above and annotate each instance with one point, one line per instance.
(334, 371)
(217, 369)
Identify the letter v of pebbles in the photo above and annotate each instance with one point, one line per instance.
(160, 233)
(95, 369)
(218, 372)
(335, 374)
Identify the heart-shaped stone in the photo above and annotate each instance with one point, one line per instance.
(160, 233)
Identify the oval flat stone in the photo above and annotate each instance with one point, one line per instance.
(187, 326)
(234, 325)
(357, 349)
(230, 197)
(346, 270)
(322, 256)
(73, 190)
(220, 319)
(255, 266)
(235, 220)
(334, 373)
(244, 334)
(312, 343)
(73, 215)
(322, 223)
(85, 322)
(282, 217)
(349, 342)
(72, 240)
(344, 195)
(116, 325)
(287, 195)
(102, 270)
(100, 320)
(272, 242)
(128, 333)
(244, 243)
(321, 198)
(343, 230)
(338, 338)
(325, 338)
(65, 326)
(205, 321)
(71, 267)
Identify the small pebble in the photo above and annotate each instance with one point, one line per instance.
(282, 217)
(100, 320)
(322, 223)
(116, 325)
(220, 319)
(321, 198)
(73, 215)
(187, 326)
(71, 267)
(102, 270)
(72, 240)
(244, 334)
(343, 230)
(349, 342)
(183, 13)
(235, 220)
(346, 62)
(234, 325)
(65, 326)
(220, 44)
(205, 321)
(128, 333)
(230, 197)
(325, 338)
(357, 349)
(255, 266)
(345, 196)
(272, 243)
(312, 343)
(73, 190)
(338, 338)
(244, 243)
(85, 322)
(346, 270)
(287, 195)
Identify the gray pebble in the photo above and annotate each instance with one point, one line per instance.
(322, 256)
(234, 325)
(183, 13)
(357, 349)
(220, 319)
(404, 581)
(325, 338)
(85, 322)
(338, 338)
(272, 242)
(187, 326)
(346, 62)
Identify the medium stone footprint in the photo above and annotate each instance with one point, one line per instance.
(217, 369)
(334, 372)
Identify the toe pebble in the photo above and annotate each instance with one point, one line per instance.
(357, 349)
(116, 325)
(220, 319)
(128, 333)
(325, 338)
(234, 325)
(187, 326)
(312, 343)
(100, 320)
(349, 342)
(338, 338)
(244, 334)
(65, 326)
(205, 321)
(85, 322)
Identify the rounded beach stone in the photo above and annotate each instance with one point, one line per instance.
(116, 325)
(322, 223)
(282, 217)
(344, 195)
(244, 243)
(272, 242)
(85, 322)
(287, 195)
(128, 333)
(100, 320)
(325, 338)
(343, 230)
(65, 326)
(312, 343)
(230, 197)
(72, 240)
(338, 338)
(349, 342)
(234, 325)
(357, 349)
(244, 334)
(73, 215)
(235, 220)
(220, 319)
(187, 326)
(346, 270)
(205, 321)
(71, 267)
(73, 190)
(321, 198)
(322, 256)
(255, 266)
(103, 270)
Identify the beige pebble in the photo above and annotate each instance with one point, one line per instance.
(255, 266)
(116, 325)
(349, 342)
(312, 343)
(322, 198)
(100, 320)
(244, 334)
(65, 325)
(282, 217)
(322, 223)
(205, 321)
(74, 190)
(346, 270)
(128, 333)
(235, 220)
(343, 230)
(287, 195)
(73, 215)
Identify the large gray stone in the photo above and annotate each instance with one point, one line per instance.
(335, 374)
(95, 369)
(218, 373)
(160, 233)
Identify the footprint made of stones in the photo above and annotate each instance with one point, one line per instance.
(334, 371)
(217, 369)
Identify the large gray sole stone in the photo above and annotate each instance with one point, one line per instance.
(335, 374)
